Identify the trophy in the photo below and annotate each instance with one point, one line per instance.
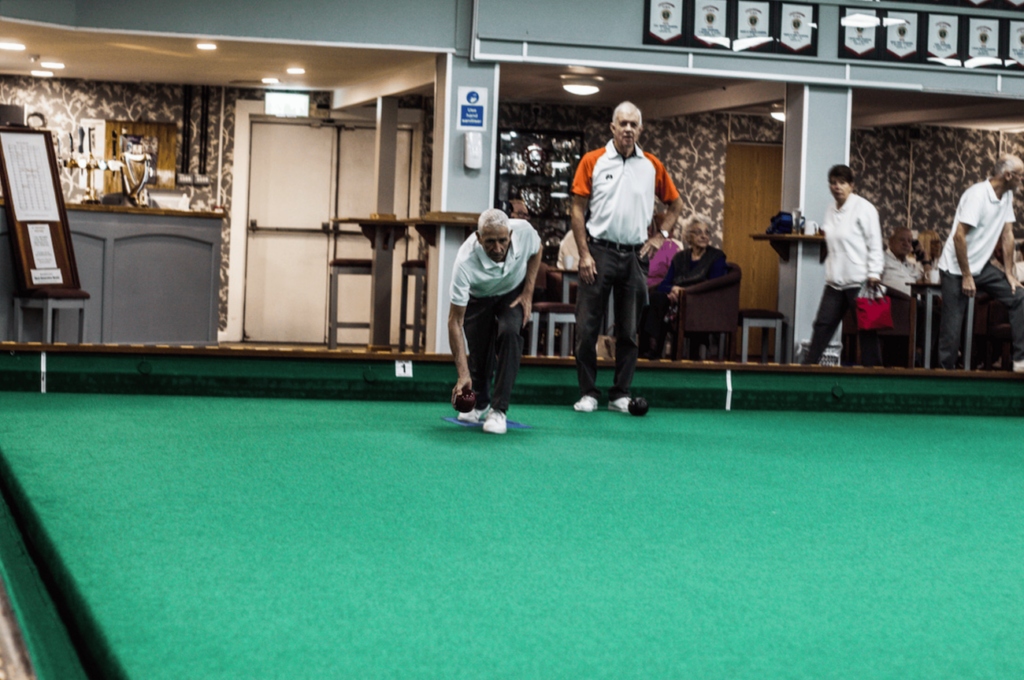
(136, 172)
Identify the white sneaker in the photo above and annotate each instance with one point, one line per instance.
(621, 405)
(474, 416)
(586, 405)
(495, 423)
(1018, 366)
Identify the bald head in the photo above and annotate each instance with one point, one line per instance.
(626, 128)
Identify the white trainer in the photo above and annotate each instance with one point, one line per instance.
(586, 405)
(1018, 366)
(621, 405)
(474, 416)
(495, 423)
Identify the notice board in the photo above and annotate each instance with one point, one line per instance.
(37, 220)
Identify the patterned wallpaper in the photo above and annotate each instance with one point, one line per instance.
(914, 175)
(65, 102)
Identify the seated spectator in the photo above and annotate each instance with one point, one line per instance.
(900, 272)
(697, 262)
(662, 259)
(929, 249)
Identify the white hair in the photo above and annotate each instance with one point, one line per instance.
(1006, 164)
(627, 107)
(492, 218)
(697, 218)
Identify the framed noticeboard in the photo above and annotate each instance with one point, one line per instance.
(859, 33)
(665, 22)
(37, 221)
(797, 24)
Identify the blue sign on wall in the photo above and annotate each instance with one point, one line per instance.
(472, 108)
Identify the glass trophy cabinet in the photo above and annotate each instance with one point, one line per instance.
(538, 167)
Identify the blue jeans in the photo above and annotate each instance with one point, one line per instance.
(626, 274)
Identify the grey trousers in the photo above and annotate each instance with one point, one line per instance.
(493, 335)
(626, 274)
(954, 306)
(831, 310)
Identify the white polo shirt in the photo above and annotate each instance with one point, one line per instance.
(979, 208)
(478, 276)
(621, 192)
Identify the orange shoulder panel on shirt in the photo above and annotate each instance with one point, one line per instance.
(583, 183)
(664, 188)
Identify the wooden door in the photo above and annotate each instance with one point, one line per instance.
(753, 195)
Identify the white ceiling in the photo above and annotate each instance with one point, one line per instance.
(102, 56)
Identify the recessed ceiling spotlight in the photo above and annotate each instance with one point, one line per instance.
(56, 65)
(43, 74)
(270, 81)
(206, 46)
(296, 71)
(12, 46)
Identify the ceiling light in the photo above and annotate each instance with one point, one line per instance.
(582, 85)
(206, 46)
(12, 46)
(270, 81)
(749, 43)
(976, 61)
(43, 74)
(52, 64)
(296, 71)
(859, 21)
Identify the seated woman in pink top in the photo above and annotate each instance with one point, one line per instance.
(660, 261)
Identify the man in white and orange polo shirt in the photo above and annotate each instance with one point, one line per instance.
(618, 184)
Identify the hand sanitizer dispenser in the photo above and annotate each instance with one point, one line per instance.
(474, 150)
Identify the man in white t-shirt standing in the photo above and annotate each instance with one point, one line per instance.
(983, 217)
(492, 295)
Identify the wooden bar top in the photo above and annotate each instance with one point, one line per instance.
(131, 210)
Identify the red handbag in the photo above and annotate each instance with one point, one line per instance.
(874, 314)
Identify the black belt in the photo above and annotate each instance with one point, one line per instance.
(612, 245)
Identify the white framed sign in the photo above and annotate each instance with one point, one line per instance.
(901, 40)
(943, 36)
(797, 26)
(472, 108)
(753, 20)
(665, 20)
(1017, 41)
(710, 19)
(860, 40)
(983, 38)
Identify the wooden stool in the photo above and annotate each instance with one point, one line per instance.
(766, 319)
(49, 300)
(554, 312)
(417, 269)
(343, 267)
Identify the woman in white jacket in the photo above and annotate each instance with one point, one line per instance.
(855, 260)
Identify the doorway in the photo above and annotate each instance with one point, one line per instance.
(753, 195)
(302, 173)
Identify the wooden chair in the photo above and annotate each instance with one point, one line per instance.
(710, 307)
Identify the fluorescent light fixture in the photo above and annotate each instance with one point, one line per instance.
(779, 116)
(582, 85)
(859, 21)
(975, 62)
(206, 46)
(296, 71)
(749, 43)
(945, 62)
(12, 46)
(270, 81)
(56, 65)
(43, 74)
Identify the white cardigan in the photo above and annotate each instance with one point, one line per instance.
(854, 239)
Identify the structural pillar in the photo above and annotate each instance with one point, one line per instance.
(817, 137)
(384, 159)
(456, 188)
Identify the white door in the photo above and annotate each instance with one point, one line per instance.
(291, 194)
